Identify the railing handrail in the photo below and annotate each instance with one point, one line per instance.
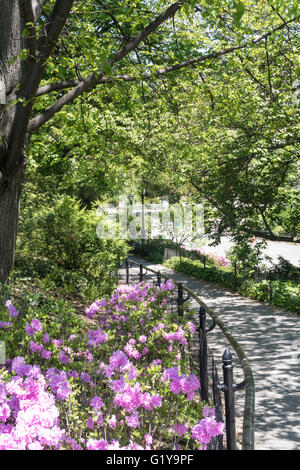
(249, 406)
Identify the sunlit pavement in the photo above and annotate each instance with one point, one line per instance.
(289, 251)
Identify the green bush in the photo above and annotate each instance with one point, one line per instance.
(285, 294)
(58, 242)
(246, 256)
(217, 274)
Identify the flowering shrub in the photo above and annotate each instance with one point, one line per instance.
(122, 383)
(28, 413)
(211, 258)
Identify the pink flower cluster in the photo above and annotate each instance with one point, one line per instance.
(219, 259)
(93, 309)
(58, 382)
(13, 312)
(35, 326)
(181, 383)
(97, 337)
(207, 428)
(28, 414)
(131, 398)
(179, 335)
(167, 286)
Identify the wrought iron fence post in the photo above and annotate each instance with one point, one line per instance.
(127, 270)
(228, 389)
(203, 355)
(141, 273)
(158, 278)
(180, 299)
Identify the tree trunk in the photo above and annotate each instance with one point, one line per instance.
(11, 43)
(9, 214)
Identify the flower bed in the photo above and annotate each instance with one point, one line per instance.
(122, 383)
(210, 257)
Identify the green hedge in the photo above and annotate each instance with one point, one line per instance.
(286, 294)
(219, 275)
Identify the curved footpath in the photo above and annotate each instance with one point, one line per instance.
(270, 338)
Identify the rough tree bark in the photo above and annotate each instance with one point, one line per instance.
(10, 187)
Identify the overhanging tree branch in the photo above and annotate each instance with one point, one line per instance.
(29, 20)
(100, 78)
(117, 24)
(96, 77)
(57, 86)
(145, 32)
(31, 79)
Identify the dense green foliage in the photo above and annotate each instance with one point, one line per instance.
(196, 268)
(285, 294)
(225, 129)
(203, 107)
(58, 243)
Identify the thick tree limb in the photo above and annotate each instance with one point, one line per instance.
(33, 72)
(37, 6)
(96, 77)
(29, 20)
(57, 86)
(145, 32)
(68, 98)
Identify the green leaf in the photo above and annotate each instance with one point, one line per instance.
(107, 68)
(239, 12)
(186, 8)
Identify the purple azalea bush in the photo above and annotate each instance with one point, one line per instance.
(123, 383)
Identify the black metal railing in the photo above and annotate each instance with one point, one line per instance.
(203, 363)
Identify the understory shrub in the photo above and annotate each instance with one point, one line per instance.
(214, 273)
(58, 241)
(285, 294)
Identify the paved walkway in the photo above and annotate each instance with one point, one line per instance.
(288, 250)
(270, 338)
